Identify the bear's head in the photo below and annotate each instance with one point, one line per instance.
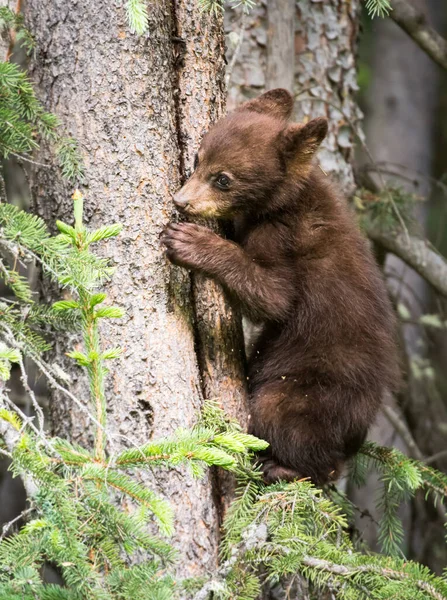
(247, 157)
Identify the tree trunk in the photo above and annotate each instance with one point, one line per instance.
(281, 44)
(399, 128)
(325, 79)
(138, 107)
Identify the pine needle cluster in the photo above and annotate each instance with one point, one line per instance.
(23, 120)
(378, 8)
(89, 516)
(401, 477)
(76, 519)
(12, 24)
(137, 16)
(277, 534)
(218, 6)
(388, 209)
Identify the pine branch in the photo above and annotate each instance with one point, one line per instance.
(78, 525)
(414, 22)
(401, 477)
(212, 441)
(12, 26)
(7, 356)
(16, 282)
(137, 492)
(416, 253)
(93, 359)
(23, 121)
(387, 573)
(290, 528)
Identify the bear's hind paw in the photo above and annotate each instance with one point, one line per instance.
(274, 472)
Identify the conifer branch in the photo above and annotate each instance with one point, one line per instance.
(416, 252)
(7, 526)
(93, 359)
(78, 526)
(24, 378)
(348, 572)
(414, 23)
(137, 16)
(290, 528)
(402, 429)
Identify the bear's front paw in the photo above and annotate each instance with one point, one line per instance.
(186, 244)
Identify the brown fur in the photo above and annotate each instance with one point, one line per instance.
(298, 265)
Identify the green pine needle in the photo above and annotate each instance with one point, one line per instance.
(378, 8)
(11, 21)
(137, 16)
(70, 160)
(217, 7)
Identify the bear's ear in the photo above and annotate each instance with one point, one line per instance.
(277, 103)
(302, 141)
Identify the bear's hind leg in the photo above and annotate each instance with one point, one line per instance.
(305, 442)
(273, 472)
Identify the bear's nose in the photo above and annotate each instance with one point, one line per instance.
(180, 201)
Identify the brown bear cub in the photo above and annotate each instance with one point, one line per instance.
(299, 266)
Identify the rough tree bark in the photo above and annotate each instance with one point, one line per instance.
(325, 81)
(138, 106)
(281, 44)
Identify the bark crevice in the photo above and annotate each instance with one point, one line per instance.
(217, 329)
(178, 52)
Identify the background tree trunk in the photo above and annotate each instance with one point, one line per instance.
(138, 106)
(281, 44)
(326, 79)
(323, 70)
(401, 117)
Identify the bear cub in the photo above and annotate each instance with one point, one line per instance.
(299, 267)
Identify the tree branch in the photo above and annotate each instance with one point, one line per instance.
(9, 436)
(349, 571)
(417, 253)
(414, 22)
(401, 427)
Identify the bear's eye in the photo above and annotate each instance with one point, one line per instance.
(196, 161)
(223, 181)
